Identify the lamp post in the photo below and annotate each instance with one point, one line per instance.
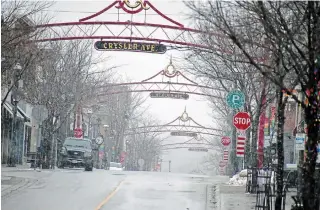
(160, 164)
(89, 112)
(98, 146)
(106, 147)
(14, 101)
(127, 155)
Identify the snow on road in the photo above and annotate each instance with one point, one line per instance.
(101, 190)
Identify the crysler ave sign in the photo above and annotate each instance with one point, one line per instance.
(198, 149)
(169, 95)
(130, 46)
(177, 133)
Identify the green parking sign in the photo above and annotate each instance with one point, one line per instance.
(235, 99)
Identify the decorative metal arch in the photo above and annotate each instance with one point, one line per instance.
(164, 81)
(172, 34)
(183, 123)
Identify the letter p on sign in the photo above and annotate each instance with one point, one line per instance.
(236, 99)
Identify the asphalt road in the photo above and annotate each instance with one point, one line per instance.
(102, 190)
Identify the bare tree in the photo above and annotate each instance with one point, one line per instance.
(63, 80)
(18, 21)
(289, 31)
(210, 162)
(143, 145)
(120, 110)
(215, 71)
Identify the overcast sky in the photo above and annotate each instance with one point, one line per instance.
(139, 66)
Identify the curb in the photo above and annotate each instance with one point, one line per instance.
(213, 201)
(21, 184)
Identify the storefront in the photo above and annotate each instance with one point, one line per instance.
(22, 140)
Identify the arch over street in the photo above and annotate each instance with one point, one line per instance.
(173, 34)
(181, 126)
(168, 83)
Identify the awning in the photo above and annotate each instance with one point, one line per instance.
(26, 118)
(20, 112)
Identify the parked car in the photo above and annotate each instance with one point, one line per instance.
(115, 166)
(77, 153)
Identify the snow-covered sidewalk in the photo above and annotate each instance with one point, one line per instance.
(233, 194)
(14, 179)
(234, 197)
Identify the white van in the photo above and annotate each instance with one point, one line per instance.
(115, 166)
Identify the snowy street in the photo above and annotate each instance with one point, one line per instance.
(74, 189)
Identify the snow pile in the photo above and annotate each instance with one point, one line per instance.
(239, 179)
(243, 173)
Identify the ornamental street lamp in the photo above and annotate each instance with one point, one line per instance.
(128, 144)
(106, 158)
(89, 112)
(97, 145)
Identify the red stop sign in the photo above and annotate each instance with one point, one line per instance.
(242, 121)
(78, 132)
(225, 141)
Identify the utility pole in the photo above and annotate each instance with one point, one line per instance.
(38, 154)
(234, 158)
(14, 101)
(90, 113)
(169, 165)
(107, 156)
(52, 151)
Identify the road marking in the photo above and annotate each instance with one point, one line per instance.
(114, 191)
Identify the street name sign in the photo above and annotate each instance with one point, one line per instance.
(39, 113)
(198, 149)
(181, 133)
(300, 138)
(130, 46)
(169, 95)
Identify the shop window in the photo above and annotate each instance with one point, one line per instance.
(27, 140)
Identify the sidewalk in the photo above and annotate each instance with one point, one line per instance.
(234, 197)
(17, 178)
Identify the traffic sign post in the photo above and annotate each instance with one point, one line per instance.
(235, 99)
(222, 163)
(225, 155)
(242, 121)
(241, 142)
